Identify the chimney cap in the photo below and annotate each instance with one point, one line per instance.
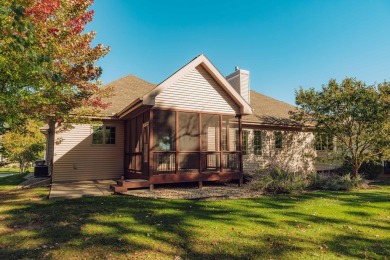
(236, 68)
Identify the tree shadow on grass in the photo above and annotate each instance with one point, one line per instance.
(123, 226)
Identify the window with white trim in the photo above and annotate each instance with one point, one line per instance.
(103, 135)
(257, 142)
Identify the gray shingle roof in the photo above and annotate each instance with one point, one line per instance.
(269, 111)
(125, 91)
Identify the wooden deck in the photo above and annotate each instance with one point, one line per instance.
(124, 185)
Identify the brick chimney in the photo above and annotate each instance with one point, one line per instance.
(240, 82)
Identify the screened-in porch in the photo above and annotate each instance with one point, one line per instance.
(166, 146)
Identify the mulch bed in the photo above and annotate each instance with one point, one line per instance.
(209, 191)
(32, 181)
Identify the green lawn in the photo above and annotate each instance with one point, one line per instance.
(314, 225)
(13, 170)
(10, 182)
(8, 170)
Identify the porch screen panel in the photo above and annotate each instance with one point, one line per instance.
(164, 125)
(230, 144)
(211, 157)
(210, 133)
(140, 121)
(133, 127)
(188, 131)
(230, 134)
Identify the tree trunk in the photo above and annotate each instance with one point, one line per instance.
(21, 167)
(355, 170)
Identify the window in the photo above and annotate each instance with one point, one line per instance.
(245, 147)
(257, 143)
(323, 142)
(278, 140)
(103, 135)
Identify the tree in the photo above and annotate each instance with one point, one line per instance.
(356, 115)
(47, 66)
(24, 145)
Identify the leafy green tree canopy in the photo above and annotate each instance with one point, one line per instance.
(24, 145)
(355, 114)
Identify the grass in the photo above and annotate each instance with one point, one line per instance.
(13, 170)
(323, 225)
(9, 182)
(9, 170)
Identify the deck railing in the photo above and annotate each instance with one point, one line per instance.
(188, 162)
(195, 162)
(231, 161)
(211, 161)
(136, 163)
(164, 162)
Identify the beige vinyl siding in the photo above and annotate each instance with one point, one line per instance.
(197, 91)
(76, 158)
(239, 80)
(244, 81)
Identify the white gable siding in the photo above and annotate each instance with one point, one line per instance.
(76, 158)
(197, 91)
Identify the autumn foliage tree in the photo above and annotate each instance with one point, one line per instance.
(356, 115)
(47, 63)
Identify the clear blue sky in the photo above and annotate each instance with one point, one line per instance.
(284, 44)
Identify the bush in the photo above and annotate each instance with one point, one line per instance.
(334, 182)
(277, 180)
(371, 169)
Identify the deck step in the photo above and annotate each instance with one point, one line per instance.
(117, 188)
(124, 185)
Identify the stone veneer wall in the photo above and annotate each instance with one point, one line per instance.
(296, 155)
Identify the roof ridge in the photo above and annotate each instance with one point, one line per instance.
(272, 98)
(126, 76)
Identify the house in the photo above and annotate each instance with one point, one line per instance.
(194, 126)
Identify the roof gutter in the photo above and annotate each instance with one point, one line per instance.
(306, 127)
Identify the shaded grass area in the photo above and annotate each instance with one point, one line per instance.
(9, 170)
(10, 182)
(325, 225)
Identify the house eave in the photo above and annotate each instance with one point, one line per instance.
(268, 125)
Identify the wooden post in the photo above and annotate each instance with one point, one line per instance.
(151, 187)
(200, 185)
(200, 142)
(176, 142)
(126, 160)
(241, 157)
(220, 144)
(150, 143)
